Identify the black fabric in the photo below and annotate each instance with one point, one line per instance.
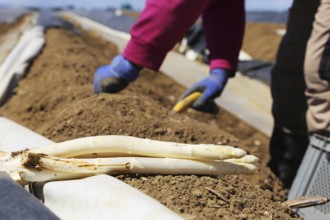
(17, 203)
(324, 69)
(256, 69)
(196, 41)
(287, 77)
(289, 100)
(287, 152)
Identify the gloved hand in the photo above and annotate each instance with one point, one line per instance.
(211, 87)
(116, 76)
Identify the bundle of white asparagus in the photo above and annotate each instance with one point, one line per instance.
(123, 154)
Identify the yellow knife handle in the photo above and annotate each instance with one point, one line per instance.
(186, 102)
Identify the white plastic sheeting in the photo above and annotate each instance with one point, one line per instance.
(14, 137)
(16, 63)
(102, 197)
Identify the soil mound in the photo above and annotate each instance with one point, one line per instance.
(56, 100)
(261, 40)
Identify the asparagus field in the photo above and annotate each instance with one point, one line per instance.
(56, 100)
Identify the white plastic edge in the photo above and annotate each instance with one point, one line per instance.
(98, 26)
(280, 32)
(244, 56)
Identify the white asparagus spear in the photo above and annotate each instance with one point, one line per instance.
(113, 145)
(33, 175)
(245, 159)
(53, 168)
(205, 158)
(117, 165)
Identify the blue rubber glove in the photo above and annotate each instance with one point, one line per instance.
(116, 76)
(211, 87)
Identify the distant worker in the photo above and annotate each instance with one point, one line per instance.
(161, 25)
(300, 86)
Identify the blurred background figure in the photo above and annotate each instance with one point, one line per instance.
(300, 86)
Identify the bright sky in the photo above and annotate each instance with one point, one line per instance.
(260, 5)
(268, 5)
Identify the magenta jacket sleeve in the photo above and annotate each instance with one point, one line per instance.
(164, 22)
(224, 23)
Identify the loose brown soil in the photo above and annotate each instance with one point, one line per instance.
(261, 40)
(56, 100)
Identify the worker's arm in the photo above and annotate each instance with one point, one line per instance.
(161, 25)
(223, 23)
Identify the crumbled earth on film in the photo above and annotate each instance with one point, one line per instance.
(56, 100)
